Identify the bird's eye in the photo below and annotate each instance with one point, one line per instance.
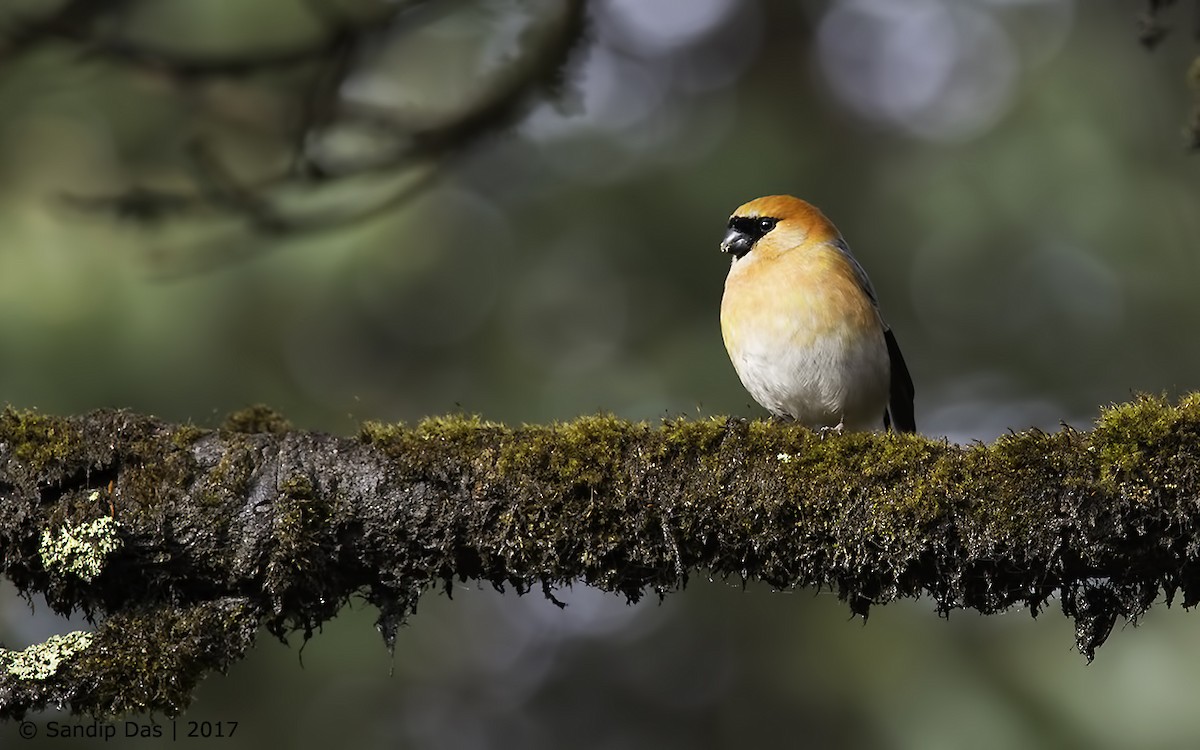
(766, 225)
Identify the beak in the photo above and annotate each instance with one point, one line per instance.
(736, 243)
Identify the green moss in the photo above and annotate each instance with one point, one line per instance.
(256, 419)
(80, 550)
(152, 659)
(40, 441)
(42, 660)
(186, 435)
(303, 590)
(683, 437)
(1014, 487)
(583, 452)
(301, 520)
(232, 474)
(465, 435)
(1130, 439)
(156, 468)
(380, 433)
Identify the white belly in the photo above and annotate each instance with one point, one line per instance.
(833, 379)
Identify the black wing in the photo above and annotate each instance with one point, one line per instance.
(899, 415)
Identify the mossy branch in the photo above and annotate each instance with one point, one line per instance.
(183, 541)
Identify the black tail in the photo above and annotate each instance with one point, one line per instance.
(899, 415)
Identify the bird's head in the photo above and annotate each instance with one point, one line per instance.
(775, 223)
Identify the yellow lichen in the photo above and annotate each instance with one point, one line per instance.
(42, 660)
(80, 550)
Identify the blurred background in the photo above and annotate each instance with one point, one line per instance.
(1013, 174)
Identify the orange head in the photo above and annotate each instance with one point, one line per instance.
(790, 221)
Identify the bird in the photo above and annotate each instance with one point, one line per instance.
(802, 325)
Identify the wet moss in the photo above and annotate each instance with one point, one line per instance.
(1136, 442)
(583, 452)
(256, 419)
(230, 478)
(152, 659)
(303, 591)
(185, 435)
(291, 524)
(42, 443)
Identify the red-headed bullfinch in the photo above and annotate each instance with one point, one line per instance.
(801, 322)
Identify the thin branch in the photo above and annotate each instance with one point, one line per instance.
(75, 20)
(1151, 29)
(79, 22)
(500, 103)
(314, 73)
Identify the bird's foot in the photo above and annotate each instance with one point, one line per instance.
(837, 429)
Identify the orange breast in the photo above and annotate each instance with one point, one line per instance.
(793, 297)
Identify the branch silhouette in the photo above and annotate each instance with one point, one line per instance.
(183, 541)
(306, 110)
